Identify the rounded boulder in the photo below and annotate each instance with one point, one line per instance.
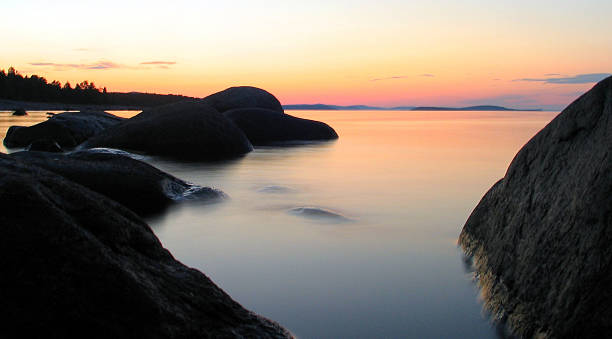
(264, 126)
(243, 97)
(67, 129)
(188, 130)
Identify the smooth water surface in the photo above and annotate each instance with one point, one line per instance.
(354, 238)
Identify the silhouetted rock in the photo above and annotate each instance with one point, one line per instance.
(44, 145)
(20, 112)
(243, 97)
(67, 129)
(135, 184)
(264, 126)
(78, 265)
(541, 237)
(190, 129)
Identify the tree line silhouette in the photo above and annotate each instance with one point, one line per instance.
(14, 86)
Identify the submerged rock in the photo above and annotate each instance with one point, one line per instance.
(541, 236)
(243, 97)
(133, 183)
(76, 264)
(263, 126)
(275, 189)
(319, 213)
(188, 130)
(67, 129)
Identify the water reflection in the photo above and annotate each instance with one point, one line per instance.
(408, 180)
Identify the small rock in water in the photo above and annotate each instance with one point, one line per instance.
(319, 213)
(20, 112)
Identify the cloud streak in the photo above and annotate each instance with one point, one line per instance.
(96, 65)
(390, 78)
(158, 63)
(105, 65)
(577, 79)
(397, 77)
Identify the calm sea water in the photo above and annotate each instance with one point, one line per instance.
(403, 183)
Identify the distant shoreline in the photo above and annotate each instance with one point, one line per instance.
(11, 105)
(325, 107)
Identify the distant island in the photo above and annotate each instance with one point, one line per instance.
(400, 108)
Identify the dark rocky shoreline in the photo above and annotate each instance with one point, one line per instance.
(77, 260)
(12, 105)
(541, 237)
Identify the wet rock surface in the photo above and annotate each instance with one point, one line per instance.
(44, 145)
(187, 130)
(264, 127)
(76, 264)
(133, 183)
(66, 129)
(541, 237)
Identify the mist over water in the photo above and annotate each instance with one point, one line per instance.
(354, 237)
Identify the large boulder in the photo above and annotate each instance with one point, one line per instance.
(76, 264)
(263, 126)
(541, 237)
(133, 183)
(189, 129)
(67, 129)
(243, 97)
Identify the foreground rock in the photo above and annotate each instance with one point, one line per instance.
(75, 264)
(189, 130)
(66, 129)
(243, 97)
(264, 126)
(541, 237)
(135, 184)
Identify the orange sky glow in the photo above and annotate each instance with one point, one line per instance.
(388, 53)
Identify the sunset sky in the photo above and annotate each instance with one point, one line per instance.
(515, 53)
